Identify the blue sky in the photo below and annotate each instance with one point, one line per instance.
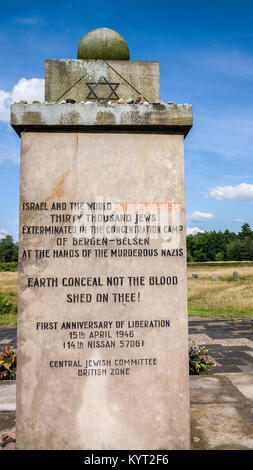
(205, 50)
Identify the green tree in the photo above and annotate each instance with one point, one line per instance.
(8, 250)
(220, 256)
(219, 246)
(245, 232)
(233, 250)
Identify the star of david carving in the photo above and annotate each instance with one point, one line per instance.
(106, 86)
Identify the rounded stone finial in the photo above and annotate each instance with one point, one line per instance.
(103, 43)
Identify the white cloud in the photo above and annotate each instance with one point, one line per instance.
(29, 90)
(13, 222)
(241, 192)
(239, 220)
(4, 105)
(3, 233)
(193, 230)
(199, 216)
(26, 89)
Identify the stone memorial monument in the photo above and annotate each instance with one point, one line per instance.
(235, 275)
(102, 319)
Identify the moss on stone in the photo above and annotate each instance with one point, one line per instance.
(102, 118)
(33, 117)
(103, 43)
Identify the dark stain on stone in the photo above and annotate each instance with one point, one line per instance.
(32, 117)
(105, 118)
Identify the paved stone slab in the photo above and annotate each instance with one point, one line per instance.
(244, 383)
(229, 342)
(211, 389)
(248, 369)
(8, 337)
(7, 395)
(224, 328)
(221, 416)
(220, 427)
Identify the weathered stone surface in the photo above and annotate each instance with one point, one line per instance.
(81, 404)
(172, 119)
(85, 80)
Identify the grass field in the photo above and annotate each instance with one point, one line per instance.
(223, 297)
(9, 286)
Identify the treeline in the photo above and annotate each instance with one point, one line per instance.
(221, 246)
(8, 250)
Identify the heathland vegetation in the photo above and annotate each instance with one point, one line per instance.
(216, 292)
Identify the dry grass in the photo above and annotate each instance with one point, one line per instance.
(9, 284)
(222, 296)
